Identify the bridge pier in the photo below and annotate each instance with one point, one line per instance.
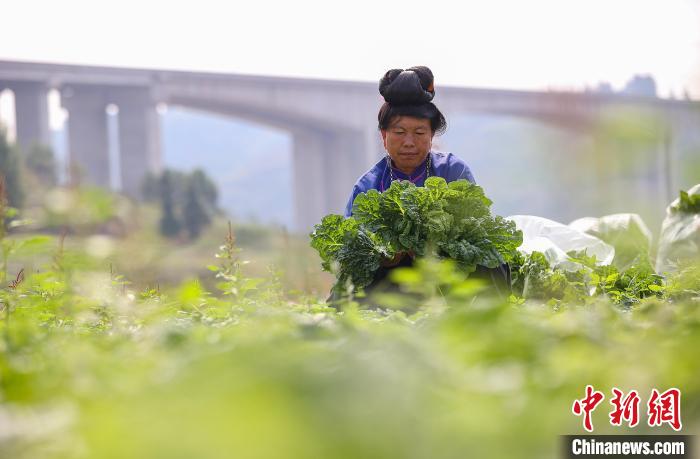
(87, 134)
(346, 161)
(139, 137)
(326, 166)
(309, 179)
(31, 114)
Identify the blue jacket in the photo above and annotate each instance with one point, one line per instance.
(445, 165)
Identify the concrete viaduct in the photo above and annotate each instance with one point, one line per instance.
(332, 123)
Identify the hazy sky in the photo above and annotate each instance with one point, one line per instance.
(488, 43)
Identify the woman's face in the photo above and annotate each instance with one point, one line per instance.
(408, 141)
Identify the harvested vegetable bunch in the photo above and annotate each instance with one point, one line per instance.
(439, 219)
(534, 277)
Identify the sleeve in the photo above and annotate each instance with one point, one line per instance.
(348, 206)
(459, 170)
(467, 174)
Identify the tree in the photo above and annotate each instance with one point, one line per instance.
(150, 188)
(192, 197)
(195, 213)
(205, 188)
(11, 172)
(40, 161)
(169, 224)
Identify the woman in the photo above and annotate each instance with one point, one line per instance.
(408, 121)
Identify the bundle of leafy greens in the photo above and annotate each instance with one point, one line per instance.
(533, 277)
(439, 219)
(679, 243)
(688, 203)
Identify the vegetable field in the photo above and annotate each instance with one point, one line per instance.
(91, 367)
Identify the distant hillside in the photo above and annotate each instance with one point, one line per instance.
(250, 164)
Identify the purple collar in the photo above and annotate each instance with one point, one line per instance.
(386, 176)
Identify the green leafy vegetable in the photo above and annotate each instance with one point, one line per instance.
(535, 278)
(439, 219)
(688, 203)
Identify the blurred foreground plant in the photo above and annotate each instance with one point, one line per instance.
(92, 369)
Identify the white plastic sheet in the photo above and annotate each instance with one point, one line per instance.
(555, 239)
(627, 233)
(680, 237)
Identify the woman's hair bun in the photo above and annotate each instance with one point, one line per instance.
(407, 87)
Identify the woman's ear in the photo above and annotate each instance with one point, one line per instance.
(383, 131)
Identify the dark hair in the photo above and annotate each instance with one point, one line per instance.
(409, 93)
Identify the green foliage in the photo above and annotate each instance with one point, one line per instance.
(685, 283)
(540, 281)
(688, 203)
(204, 188)
(90, 367)
(351, 251)
(169, 223)
(438, 220)
(150, 188)
(229, 273)
(188, 201)
(535, 278)
(626, 233)
(679, 242)
(195, 216)
(629, 286)
(82, 209)
(100, 370)
(40, 162)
